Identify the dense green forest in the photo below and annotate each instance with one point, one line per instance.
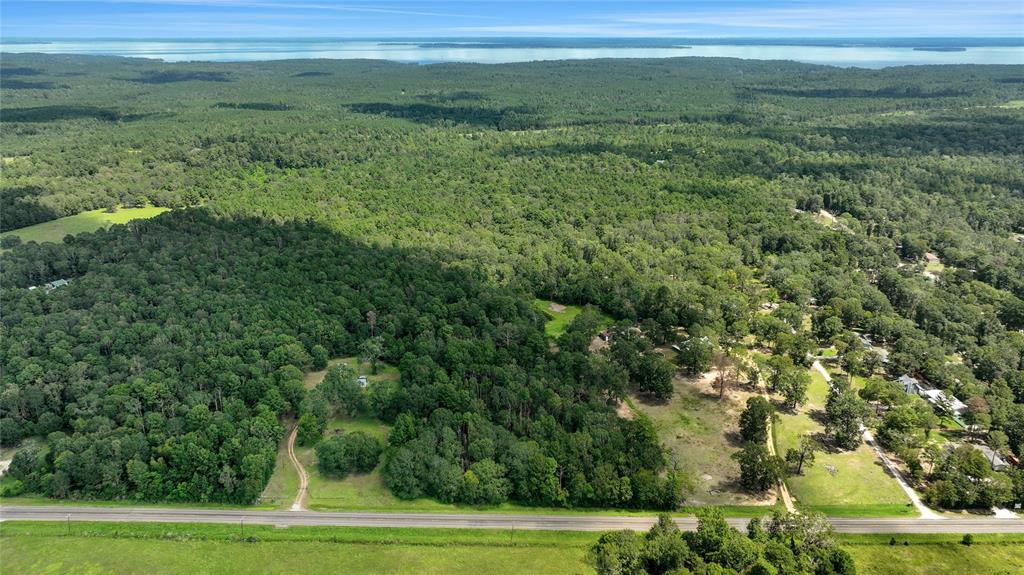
(675, 195)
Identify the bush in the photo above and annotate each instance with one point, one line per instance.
(967, 540)
(354, 452)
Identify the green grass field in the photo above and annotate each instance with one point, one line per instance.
(859, 487)
(696, 426)
(100, 548)
(55, 230)
(561, 316)
(97, 548)
(936, 554)
(385, 371)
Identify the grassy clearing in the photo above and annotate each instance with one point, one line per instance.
(1013, 104)
(561, 316)
(283, 486)
(995, 554)
(172, 548)
(700, 431)
(55, 230)
(385, 371)
(860, 485)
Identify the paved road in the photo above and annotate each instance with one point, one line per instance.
(467, 521)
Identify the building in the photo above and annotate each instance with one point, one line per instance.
(946, 403)
(910, 384)
(939, 399)
(994, 459)
(55, 284)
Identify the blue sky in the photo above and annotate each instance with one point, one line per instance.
(593, 18)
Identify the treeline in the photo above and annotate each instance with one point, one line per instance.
(780, 543)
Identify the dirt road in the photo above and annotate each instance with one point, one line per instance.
(300, 497)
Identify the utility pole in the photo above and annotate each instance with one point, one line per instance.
(69, 524)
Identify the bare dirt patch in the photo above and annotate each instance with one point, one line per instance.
(556, 307)
(624, 411)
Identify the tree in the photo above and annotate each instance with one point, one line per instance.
(310, 430)
(654, 375)
(803, 454)
(998, 442)
(618, 553)
(724, 363)
(789, 380)
(319, 355)
(844, 416)
(759, 469)
(370, 351)
(754, 420)
(695, 354)
(665, 551)
(355, 452)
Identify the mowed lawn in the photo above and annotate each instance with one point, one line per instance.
(385, 371)
(936, 554)
(55, 230)
(561, 316)
(859, 484)
(698, 429)
(356, 551)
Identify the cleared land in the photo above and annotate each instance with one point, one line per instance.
(163, 548)
(936, 554)
(701, 433)
(55, 230)
(385, 371)
(561, 315)
(46, 547)
(858, 485)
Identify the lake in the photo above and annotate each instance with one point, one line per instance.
(865, 53)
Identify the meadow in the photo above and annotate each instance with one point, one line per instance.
(89, 221)
(100, 548)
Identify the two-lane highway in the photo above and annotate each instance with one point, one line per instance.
(467, 520)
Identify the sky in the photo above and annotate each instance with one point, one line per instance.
(475, 18)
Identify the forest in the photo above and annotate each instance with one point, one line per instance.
(678, 196)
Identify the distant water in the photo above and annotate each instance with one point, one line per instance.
(859, 53)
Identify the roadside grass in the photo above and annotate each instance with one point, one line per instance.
(936, 554)
(559, 320)
(283, 486)
(385, 371)
(700, 430)
(38, 547)
(55, 230)
(859, 486)
(99, 547)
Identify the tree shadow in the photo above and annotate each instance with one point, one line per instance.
(512, 118)
(28, 85)
(901, 92)
(20, 71)
(260, 106)
(56, 113)
(448, 97)
(20, 208)
(174, 76)
(311, 74)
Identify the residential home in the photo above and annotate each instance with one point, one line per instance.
(994, 459)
